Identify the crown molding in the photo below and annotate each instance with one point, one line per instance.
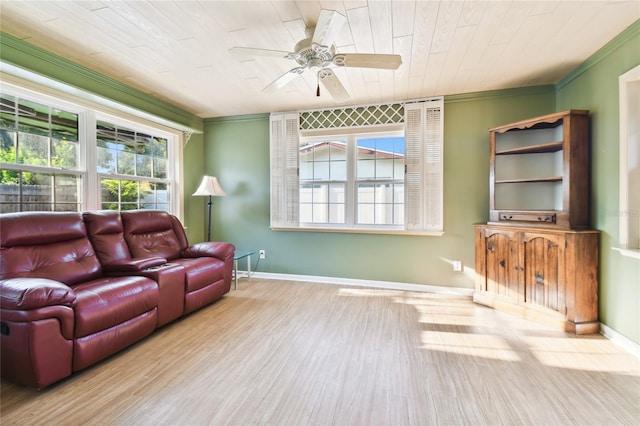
(246, 117)
(500, 93)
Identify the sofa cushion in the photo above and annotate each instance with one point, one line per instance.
(150, 233)
(29, 228)
(49, 245)
(201, 271)
(106, 233)
(106, 302)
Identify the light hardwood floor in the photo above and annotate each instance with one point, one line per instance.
(284, 353)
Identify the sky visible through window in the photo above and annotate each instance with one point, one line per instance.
(395, 144)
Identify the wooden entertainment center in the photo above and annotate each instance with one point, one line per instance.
(536, 255)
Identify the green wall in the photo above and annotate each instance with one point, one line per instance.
(237, 152)
(194, 207)
(594, 86)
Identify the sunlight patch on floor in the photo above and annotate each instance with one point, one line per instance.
(476, 345)
(582, 353)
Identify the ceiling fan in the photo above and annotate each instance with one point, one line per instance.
(317, 53)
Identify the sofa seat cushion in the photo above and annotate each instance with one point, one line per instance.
(106, 302)
(200, 271)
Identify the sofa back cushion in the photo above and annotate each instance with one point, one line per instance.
(106, 233)
(51, 245)
(152, 233)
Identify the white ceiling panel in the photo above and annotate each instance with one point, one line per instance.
(179, 50)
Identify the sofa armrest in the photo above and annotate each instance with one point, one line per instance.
(133, 265)
(33, 293)
(219, 250)
(29, 300)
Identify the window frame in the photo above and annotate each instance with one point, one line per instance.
(426, 170)
(351, 181)
(328, 182)
(89, 113)
(628, 212)
(139, 128)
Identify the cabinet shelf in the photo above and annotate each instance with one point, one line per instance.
(531, 180)
(534, 149)
(541, 164)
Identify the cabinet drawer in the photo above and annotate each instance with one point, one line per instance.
(539, 217)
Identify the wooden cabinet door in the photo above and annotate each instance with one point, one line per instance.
(543, 270)
(501, 268)
(547, 274)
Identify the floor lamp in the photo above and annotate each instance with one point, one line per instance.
(209, 187)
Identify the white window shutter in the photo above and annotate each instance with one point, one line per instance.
(433, 184)
(284, 143)
(414, 153)
(424, 166)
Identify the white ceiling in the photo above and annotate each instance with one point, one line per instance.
(178, 50)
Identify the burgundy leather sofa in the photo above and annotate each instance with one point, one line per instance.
(76, 287)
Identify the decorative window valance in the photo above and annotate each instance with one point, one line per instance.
(352, 117)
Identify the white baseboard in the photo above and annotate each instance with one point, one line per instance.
(387, 285)
(620, 340)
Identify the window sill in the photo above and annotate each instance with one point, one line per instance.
(361, 231)
(633, 253)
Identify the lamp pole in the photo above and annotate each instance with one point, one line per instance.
(209, 216)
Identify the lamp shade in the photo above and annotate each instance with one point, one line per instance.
(209, 186)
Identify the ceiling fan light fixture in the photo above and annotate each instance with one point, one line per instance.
(317, 52)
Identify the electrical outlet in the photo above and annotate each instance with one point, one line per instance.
(263, 254)
(457, 265)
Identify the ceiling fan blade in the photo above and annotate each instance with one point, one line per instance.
(368, 60)
(333, 85)
(285, 78)
(253, 51)
(329, 24)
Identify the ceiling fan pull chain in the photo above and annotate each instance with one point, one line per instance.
(318, 80)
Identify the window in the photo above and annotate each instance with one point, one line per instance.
(380, 180)
(57, 155)
(41, 150)
(132, 168)
(323, 181)
(629, 212)
(353, 180)
(370, 169)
